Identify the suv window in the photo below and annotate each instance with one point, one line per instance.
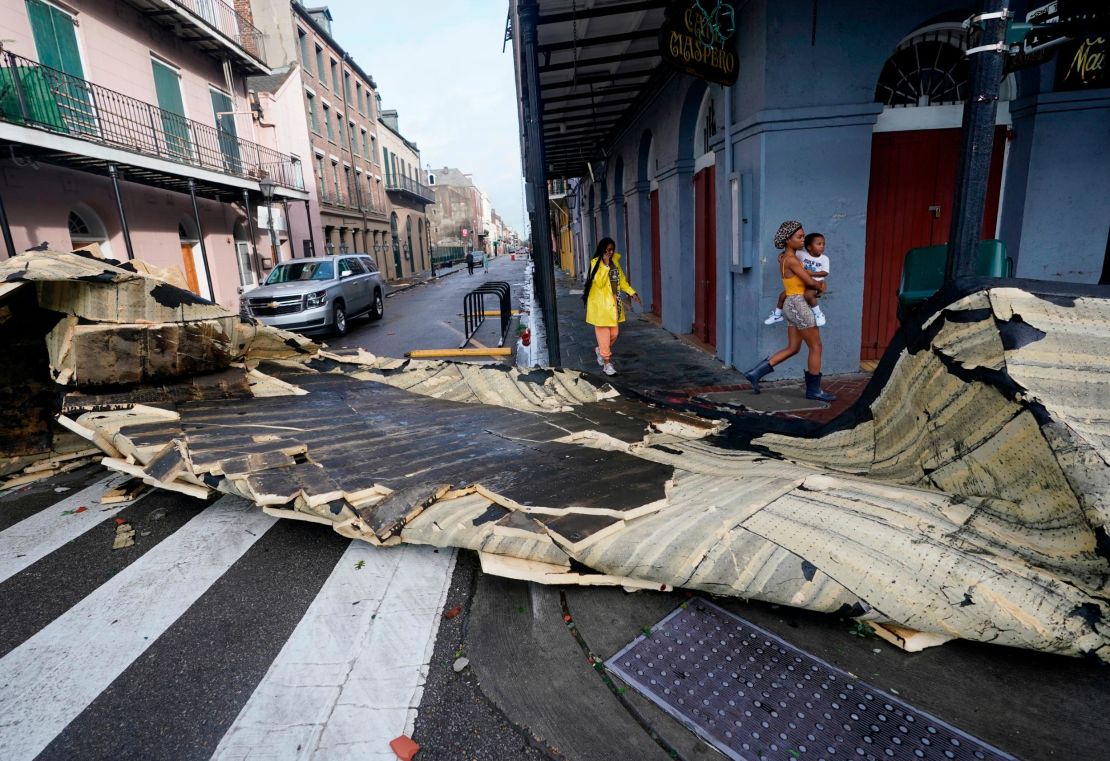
(370, 263)
(357, 266)
(345, 266)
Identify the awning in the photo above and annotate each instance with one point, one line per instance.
(597, 62)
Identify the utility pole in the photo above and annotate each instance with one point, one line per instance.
(980, 109)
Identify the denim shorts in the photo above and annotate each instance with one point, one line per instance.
(797, 313)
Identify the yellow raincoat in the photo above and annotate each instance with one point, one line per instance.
(601, 305)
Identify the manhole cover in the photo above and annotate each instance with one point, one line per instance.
(754, 697)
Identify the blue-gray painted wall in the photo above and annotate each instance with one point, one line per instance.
(803, 119)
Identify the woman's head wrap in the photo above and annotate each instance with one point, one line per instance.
(786, 229)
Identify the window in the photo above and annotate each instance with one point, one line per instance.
(320, 66)
(359, 101)
(335, 75)
(302, 46)
(350, 187)
(327, 122)
(356, 265)
(320, 172)
(374, 149)
(167, 88)
(385, 159)
(335, 179)
(347, 87)
(369, 263)
(354, 143)
(313, 117)
(339, 129)
(365, 145)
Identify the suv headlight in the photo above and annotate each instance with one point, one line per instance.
(317, 299)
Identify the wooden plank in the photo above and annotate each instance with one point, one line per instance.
(388, 516)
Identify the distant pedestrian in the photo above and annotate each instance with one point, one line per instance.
(604, 307)
(470, 262)
(817, 264)
(801, 324)
(485, 264)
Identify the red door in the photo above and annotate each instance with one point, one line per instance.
(705, 255)
(656, 266)
(909, 204)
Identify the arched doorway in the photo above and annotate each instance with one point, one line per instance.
(86, 229)
(396, 244)
(191, 259)
(915, 153)
(705, 221)
(408, 242)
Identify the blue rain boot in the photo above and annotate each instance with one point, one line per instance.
(757, 372)
(813, 388)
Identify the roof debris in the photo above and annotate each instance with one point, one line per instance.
(963, 497)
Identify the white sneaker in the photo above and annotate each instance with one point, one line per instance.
(819, 317)
(609, 369)
(775, 316)
(600, 359)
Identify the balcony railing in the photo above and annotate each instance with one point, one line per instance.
(411, 186)
(40, 96)
(228, 22)
(331, 198)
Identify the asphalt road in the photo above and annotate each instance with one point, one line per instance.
(430, 315)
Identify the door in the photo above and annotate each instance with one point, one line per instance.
(55, 37)
(175, 128)
(223, 112)
(246, 270)
(656, 264)
(188, 264)
(909, 204)
(705, 255)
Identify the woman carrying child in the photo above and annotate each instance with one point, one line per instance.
(802, 325)
(817, 265)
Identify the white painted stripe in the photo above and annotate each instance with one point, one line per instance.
(50, 678)
(35, 537)
(350, 677)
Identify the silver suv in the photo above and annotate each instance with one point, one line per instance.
(319, 294)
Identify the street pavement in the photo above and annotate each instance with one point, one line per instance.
(224, 633)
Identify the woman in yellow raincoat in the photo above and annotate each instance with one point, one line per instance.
(604, 308)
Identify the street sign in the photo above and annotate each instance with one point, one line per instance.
(1056, 22)
(263, 222)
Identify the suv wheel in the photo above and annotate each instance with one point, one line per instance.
(377, 310)
(339, 319)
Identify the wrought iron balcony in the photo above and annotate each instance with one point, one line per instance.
(206, 16)
(411, 187)
(39, 96)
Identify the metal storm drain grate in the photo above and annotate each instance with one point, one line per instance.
(754, 697)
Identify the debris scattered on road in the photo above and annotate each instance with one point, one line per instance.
(125, 535)
(460, 664)
(75, 511)
(404, 747)
(128, 491)
(964, 496)
(453, 612)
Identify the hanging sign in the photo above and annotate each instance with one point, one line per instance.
(263, 221)
(699, 37)
(1082, 64)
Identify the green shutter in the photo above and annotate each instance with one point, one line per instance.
(167, 88)
(55, 38)
(225, 123)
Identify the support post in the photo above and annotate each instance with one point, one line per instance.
(200, 239)
(536, 173)
(311, 229)
(288, 227)
(9, 244)
(114, 174)
(987, 55)
(254, 236)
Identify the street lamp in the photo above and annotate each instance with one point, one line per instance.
(266, 185)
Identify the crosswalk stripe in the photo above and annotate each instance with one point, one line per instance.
(350, 677)
(50, 678)
(35, 537)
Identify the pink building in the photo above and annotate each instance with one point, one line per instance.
(128, 123)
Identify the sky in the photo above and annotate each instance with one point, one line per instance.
(439, 64)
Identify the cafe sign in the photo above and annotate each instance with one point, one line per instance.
(699, 37)
(1083, 64)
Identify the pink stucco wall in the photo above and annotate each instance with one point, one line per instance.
(152, 214)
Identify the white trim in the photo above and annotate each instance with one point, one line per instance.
(910, 118)
(310, 91)
(334, 159)
(317, 152)
(704, 161)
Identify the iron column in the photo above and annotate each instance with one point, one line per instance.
(536, 173)
(988, 55)
(200, 238)
(311, 229)
(114, 174)
(250, 231)
(9, 244)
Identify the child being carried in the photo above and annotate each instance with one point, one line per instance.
(816, 264)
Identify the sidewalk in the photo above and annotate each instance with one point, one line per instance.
(649, 356)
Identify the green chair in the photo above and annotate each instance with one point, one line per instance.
(923, 270)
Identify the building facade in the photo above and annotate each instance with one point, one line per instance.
(456, 213)
(133, 130)
(844, 119)
(409, 196)
(339, 112)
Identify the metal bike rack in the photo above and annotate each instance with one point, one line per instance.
(474, 309)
